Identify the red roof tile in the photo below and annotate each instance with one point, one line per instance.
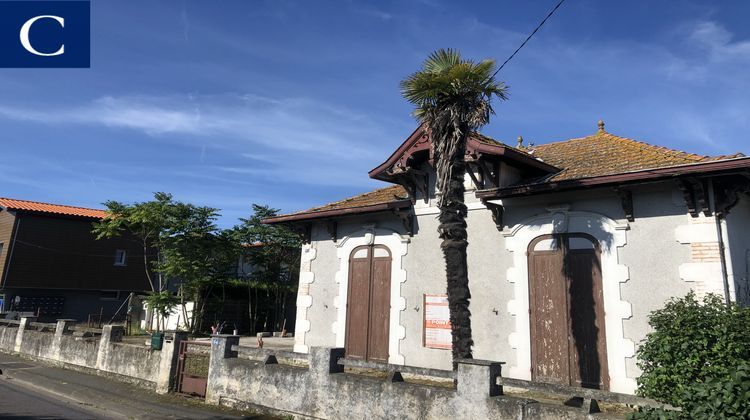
(600, 154)
(603, 154)
(35, 206)
(379, 196)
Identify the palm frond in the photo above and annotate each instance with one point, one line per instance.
(448, 79)
(441, 61)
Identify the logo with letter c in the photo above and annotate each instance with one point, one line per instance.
(24, 35)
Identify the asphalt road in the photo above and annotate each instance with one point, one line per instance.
(34, 390)
(19, 403)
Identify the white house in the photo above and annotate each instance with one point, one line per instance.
(571, 245)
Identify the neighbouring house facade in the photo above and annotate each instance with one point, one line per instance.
(571, 245)
(52, 264)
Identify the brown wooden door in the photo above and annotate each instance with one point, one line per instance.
(568, 341)
(357, 307)
(368, 303)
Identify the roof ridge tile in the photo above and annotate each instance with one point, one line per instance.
(50, 204)
(44, 207)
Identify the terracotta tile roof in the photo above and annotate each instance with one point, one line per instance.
(492, 142)
(489, 140)
(379, 196)
(606, 154)
(34, 206)
(599, 154)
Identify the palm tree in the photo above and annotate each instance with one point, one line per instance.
(453, 98)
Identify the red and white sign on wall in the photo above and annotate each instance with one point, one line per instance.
(437, 324)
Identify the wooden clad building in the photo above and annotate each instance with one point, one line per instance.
(51, 263)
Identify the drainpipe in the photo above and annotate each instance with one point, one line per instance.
(720, 238)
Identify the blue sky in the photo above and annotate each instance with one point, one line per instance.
(290, 103)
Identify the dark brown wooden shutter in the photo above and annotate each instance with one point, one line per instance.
(549, 320)
(358, 296)
(380, 309)
(368, 303)
(566, 308)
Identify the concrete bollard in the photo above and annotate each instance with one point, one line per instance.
(221, 346)
(477, 379)
(221, 349)
(63, 326)
(110, 334)
(324, 360)
(19, 334)
(168, 361)
(60, 329)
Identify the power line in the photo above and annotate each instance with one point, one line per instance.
(549, 15)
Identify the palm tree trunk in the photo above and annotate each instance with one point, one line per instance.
(450, 144)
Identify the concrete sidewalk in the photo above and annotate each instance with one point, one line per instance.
(30, 389)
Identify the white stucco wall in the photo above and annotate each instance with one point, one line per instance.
(737, 239)
(644, 259)
(653, 258)
(315, 311)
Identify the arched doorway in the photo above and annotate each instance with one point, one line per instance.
(568, 340)
(368, 303)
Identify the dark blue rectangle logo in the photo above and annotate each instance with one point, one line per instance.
(45, 34)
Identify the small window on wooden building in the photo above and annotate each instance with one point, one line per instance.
(121, 258)
(109, 295)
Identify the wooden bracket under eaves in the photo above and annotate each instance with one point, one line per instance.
(332, 228)
(727, 192)
(407, 219)
(626, 200)
(694, 194)
(497, 211)
(304, 230)
(414, 181)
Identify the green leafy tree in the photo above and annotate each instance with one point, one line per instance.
(180, 242)
(201, 256)
(272, 252)
(453, 97)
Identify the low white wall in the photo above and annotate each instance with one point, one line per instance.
(323, 391)
(102, 355)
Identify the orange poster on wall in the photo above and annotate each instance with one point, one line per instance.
(437, 324)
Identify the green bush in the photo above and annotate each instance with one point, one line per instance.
(726, 398)
(697, 358)
(656, 414)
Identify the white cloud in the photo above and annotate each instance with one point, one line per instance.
(297, 124)
(718, 41)
(134, 113)
(280, 137)
(378, 14)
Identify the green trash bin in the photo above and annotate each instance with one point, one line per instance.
(157, 339)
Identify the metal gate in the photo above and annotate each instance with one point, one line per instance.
(192, 367)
